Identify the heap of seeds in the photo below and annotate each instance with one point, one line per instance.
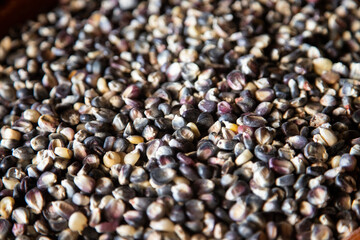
(125, 119)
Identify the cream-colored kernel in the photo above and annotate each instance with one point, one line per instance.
(77, 222)
(63, 152)
(111, 158)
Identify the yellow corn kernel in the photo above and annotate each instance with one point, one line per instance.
(73, 72)
(135, 139)
(102, 85)
(6, 207)
(63, 152)
(231, 126)
(31, 115)
(194, 129)
(11, 134)
(111, 158)
(78, 105)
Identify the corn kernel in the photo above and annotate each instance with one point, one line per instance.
(102, 85)
(135, 139)
(194, 129)
(132, 157)
(63, 152)
(231, 126)
(73, 72)
(6, 207)
(12, 134)
(78, 105)
(111, 158)
(179, 180)
(31, 115)
(10, 182)
(77, 222)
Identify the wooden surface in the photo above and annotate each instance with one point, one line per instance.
(355, 235)
(13, 12)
